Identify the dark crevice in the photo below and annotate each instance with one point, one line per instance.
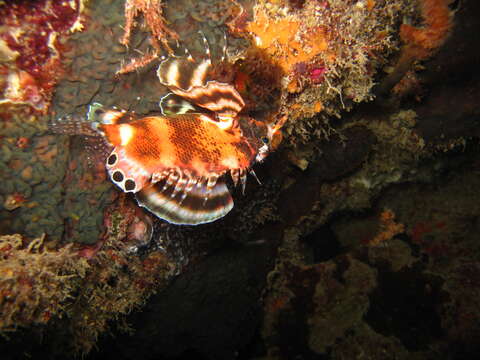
(404, 305)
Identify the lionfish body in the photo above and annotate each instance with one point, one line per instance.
(176, 163)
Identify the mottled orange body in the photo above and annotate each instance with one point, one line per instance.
(194, 144)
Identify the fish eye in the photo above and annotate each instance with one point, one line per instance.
(265, 139)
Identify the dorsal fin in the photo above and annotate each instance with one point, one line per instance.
(172, 104)
(183, 73)
(215, 96)
(188, 79)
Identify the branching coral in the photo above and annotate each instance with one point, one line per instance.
(153, 15)
(152, 12)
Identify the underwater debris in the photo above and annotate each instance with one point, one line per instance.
(32, 40)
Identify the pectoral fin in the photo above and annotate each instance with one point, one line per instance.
(191, 204)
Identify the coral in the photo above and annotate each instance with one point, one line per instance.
(32, 40)
(32, 164)
(49, 184)
(285, 40)
(87, 286)
(311, 302)
(409, 84)
(119, 280)
(36, 282)
(388, 228)
(112, 267)
(421, 42)
(152, 11)
(328, 53)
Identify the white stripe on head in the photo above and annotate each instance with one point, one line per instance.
(126, 134)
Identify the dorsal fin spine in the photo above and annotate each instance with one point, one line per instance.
(243, 180)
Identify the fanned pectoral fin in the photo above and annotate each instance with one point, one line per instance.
(198, 206)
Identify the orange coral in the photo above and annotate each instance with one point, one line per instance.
(420, 43)
(437, 18)
(284, 40)
(388, 228)
(23, 142)
(370, 4)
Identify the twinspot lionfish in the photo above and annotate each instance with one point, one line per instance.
(175, 163)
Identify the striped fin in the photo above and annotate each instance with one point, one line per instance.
(172, 104)
(183, 73)
(192, 202)
(218, 97)
(188, 79)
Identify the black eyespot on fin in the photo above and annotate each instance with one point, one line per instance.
(129, 185)
(117, 176)
(112, 159)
